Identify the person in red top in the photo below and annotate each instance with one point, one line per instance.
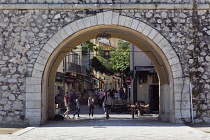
(66, 102)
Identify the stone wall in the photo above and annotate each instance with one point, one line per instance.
(24, 32)
(103, 1)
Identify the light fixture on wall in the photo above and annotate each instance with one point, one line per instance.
(140, 84)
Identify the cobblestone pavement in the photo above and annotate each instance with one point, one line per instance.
(118, 127)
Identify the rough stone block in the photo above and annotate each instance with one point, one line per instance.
(34, 96)
(17, 105)
(100, 17)
(134, 24)
(153, 33)
(206, 119)
(146, 30)
(115, 18)
(74, 26)
(33, 104)
(108, 17)
(68, 30)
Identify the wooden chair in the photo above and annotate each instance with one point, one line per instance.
(144, 109)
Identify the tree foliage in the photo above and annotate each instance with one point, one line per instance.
(118, 62)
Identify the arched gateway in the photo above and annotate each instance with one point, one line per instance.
(172, 83)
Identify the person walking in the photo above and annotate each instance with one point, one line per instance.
(108, 104)
(91, 104)
(121, 92)
(100, 96)
(102, 100)
(66, 103)
(77, 107)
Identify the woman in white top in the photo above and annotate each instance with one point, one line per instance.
(117, 95)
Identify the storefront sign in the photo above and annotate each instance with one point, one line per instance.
(70, 80)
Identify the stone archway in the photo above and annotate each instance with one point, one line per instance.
(162, 54)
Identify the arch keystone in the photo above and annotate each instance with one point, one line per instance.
(122, 20)
(115, 18)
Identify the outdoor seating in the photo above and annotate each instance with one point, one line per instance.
(141, 108)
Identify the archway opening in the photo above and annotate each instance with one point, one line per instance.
(154, 53)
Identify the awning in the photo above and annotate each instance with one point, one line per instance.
(87, 81)
(145, 68)
(98, 79)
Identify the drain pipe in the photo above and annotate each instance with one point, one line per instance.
(192, 117)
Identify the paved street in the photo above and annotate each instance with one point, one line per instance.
(118, 127)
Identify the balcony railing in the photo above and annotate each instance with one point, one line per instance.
(71, 67)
